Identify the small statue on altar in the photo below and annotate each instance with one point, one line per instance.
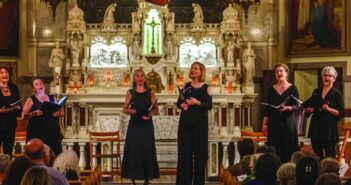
(74, 78)
(248, 64)
(136, 47)
(169, 46)
(136, 24)
(198, 16)
(56, 58)
(230, 52)
(230, 14)
(170, 23)
(109, 14)
(76, 14)
(75, 56)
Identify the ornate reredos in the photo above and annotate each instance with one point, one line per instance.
(154, 42)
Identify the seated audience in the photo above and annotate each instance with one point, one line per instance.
(286, 174)
(4, 164)
(34, 149)
(245, 147)
(16, 170)
(328, 179)
(265, 149)
(307, 171)
(49, 156)
(266, 169)
(330, 165)
(36, 175)
(296, 156)
(68, 164)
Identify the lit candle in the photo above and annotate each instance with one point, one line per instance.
(91, 81)
(230, 87)
(170, 88)
(214, 80)
(75, 89)
(108, 75)
(125, 80)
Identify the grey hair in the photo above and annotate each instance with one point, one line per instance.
(331, 70)
(67, 160)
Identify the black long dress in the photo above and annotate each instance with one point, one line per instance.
(8, 121)
(193, 137)
(282, 132)
(324, 126)
(139, 158)
(45, 127)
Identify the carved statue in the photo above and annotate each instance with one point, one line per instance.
(109, 14)
(230, 14)
(248, 64)
(75, 56)
(198, 16)
(230, 52)
(136, 24)
(154, 81)
(169, 46)
(56, 58)
(76, 14)
(170, 22)
(136, 46)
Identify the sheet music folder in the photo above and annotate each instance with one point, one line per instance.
(315, 102)
(9, 106)
(50, 107)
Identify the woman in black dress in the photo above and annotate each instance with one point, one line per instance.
(43, 126)
(324, 123)
(8, 121)
(139, 158)
(194, 103)
(279, 123)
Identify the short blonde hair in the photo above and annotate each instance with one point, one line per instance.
(202, 69)
(286, 173)
(331, 70)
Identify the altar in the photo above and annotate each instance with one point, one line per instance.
(101, 58)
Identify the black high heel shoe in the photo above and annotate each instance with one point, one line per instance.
(146, 182)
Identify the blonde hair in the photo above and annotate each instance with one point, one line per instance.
(36, 175)
(202, 69)
(134, 74)
(284, 66)
(286, 174)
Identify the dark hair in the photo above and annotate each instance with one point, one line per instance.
(245, 164)
(328, 179)
(261, 150)
(246, 147)
(266, 168)
(307, 171)
(281, 65)
(8, 71)
(4, 162)
(296, 156)
(16, 170)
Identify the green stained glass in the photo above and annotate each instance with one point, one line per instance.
(153, 33)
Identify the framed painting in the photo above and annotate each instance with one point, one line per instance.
(9, 28)
(318, 28)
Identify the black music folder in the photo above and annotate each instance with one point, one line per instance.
(51, 107)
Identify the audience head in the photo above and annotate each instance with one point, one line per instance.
(307, 171)
(67, 160)
(34, 149)
(330, 165)
(4, 162)
(49, 156)
(271, 149)
(286, 174)
(36, 176)
(16, 170)
(246, 147)
(296, 156)
(266, 168)
(328, 179)
(253, 160)
(245, 164)
(261, 149)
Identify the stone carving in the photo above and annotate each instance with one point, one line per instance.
(169, 46)
(136, 23)
(230, 53)
(230, 14)
(198, 16)
(248, 64)
(109, 14)
(56, 59)
(75, 78)
(76, 14)
(75, 56)
(170, 23)
(136, 49)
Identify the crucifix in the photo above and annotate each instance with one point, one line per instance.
(153, 24)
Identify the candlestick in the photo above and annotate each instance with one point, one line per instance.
(170, 88)
(230, 87)
(91, 81)
(75, 89)
(125, 80)
(108, 75)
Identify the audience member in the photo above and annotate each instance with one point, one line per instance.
(4, 162)
(266, 169)
(49, 156)
(16, 170)
(34, 149)
(329, 165)
(286, 174)
(36, 175)
(296, 156)
(328, 179)
(245, 147)
(68, 164)
(261, 150)
(307, 171)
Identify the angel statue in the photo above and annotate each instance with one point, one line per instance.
(109, 13)
(198, 16)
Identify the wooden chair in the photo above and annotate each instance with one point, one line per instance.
(113, 154)
(347, 128)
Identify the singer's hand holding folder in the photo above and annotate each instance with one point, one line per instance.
(50, 107)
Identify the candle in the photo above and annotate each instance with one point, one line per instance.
(230, 87)
(91, 81)
(214, 80)
(125, 80)
(170, 88)
(75, 89)
(108, 75)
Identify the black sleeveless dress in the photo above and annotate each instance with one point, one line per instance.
(139, 158)
(45, 127)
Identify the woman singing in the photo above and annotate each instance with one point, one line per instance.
(139, 159)
(324, 129)
(279, 122)
(43, 126)
(8, 121)
(193, 128)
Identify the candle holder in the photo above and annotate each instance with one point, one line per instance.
(108, 75)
